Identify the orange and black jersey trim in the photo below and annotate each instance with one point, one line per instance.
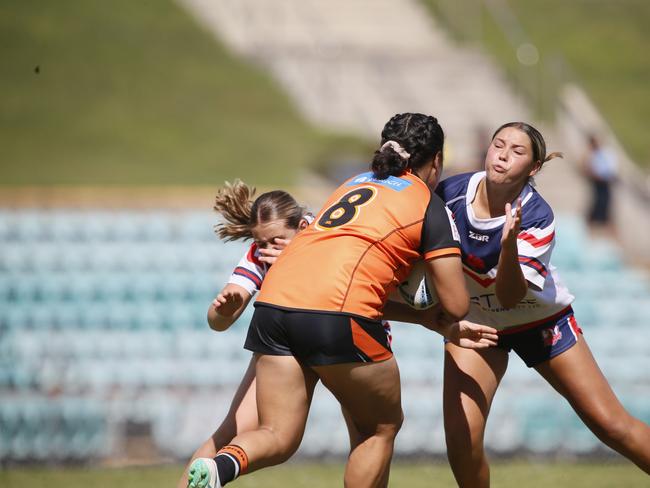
(360, 246)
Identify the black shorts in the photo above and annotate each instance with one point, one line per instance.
(317, 338)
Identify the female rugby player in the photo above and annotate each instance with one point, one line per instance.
(507, 233)
(318, 315)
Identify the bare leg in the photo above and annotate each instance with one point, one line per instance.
(577, 377)
(241, 417)
(470, 381)
(284, 392)
(370, 395)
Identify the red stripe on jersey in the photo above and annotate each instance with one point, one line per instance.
(535, 241)
(484, 282)
(252, 257)
(535, 264)
(246, 273)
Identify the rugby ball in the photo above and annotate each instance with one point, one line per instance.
(417, 291)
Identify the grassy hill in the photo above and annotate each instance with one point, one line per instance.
(604, 44)
(130, 93)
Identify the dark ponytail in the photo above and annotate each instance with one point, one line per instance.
(408, 141)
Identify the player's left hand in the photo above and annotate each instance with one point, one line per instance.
(270, 254)
(512, 225)
(471, 336)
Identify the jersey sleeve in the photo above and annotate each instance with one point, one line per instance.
(535, 244)
(249, 272)
(439, 234)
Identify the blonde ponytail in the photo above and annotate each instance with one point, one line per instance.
(234, 203)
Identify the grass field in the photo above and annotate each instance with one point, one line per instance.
(604, 42)
(508, 475)
(124, 92)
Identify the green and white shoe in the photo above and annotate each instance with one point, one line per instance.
(203, 474)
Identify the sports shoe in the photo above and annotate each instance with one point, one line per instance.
(203, 474)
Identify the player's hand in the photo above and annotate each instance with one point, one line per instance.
(227, 303)
(471, 336)
(512, 225)
(270, 254)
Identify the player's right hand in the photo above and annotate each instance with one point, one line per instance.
(227, 303)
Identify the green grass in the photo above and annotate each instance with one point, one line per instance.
(605, 44)
(295, 475)
(135, 92)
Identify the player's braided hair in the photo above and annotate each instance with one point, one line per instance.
(417, 137)
(536, 141)
(234, 202)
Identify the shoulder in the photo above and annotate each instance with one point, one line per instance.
(454, 186)
(252, 256)
(536, 212)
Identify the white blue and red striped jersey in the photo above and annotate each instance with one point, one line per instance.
(250, 271)
(481, 246)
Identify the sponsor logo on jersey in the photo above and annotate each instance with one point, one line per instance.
(393, 182)
(551, 336)
(479, 237)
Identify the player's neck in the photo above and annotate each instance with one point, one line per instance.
(490, 200)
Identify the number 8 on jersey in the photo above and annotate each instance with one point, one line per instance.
(346, 209)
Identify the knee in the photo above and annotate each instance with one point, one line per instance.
(391, 429)
(386, 429)
(284, 445)
(610, 427)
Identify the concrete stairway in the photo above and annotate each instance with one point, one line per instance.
(352, 64)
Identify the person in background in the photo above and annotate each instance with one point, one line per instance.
(600, 168)
(507, 235)
(319, 312)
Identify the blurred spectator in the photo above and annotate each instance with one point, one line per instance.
(600, 168)
(482, 139)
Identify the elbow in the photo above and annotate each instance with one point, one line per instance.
(461, 312)
(216, 326)
(458, 310)
(217, 323)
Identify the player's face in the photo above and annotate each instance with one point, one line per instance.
(265, 233)
(509, 158)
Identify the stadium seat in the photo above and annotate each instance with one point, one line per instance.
(111, 306)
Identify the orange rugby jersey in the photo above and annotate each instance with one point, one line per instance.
(360, 246)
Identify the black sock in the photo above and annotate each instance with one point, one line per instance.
(231, 462)
(227, 468)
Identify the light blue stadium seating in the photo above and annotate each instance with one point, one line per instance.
(98, 308)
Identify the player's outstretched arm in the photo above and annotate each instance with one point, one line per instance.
(462, 333)
(227, 306)
(446, 274)
(470, 335)
(511, 286)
